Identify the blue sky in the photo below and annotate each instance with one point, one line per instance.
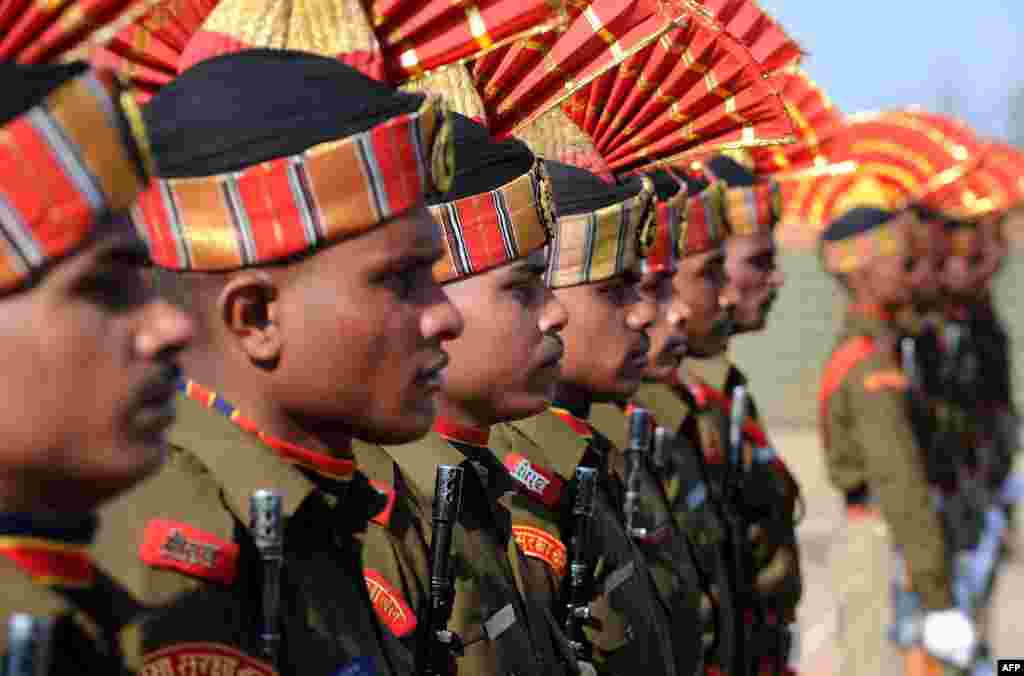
(872, 54)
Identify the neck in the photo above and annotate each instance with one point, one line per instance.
(269, 416)
(575, 399)
(22, 492)
(461, 414)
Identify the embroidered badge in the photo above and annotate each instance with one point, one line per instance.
(383, 517)
(203, 659)
(186, 549)
(536, 481)
(886, 380)
(540, 544)
(391, 608)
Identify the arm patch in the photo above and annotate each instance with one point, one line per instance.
(391, 608)
(540, 544)
(539, 483)
(189, 659)
(174, 545)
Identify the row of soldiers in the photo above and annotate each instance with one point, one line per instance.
(415, 321)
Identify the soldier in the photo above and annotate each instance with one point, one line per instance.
(632, 624)
(768, 496)
(496, 219)
(88, 384)
(870, 449)
(296, 235)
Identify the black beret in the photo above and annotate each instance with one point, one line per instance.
(240, 109)
(24, 86)
(856, 221)
(665, 186)
(578, 191)
(481, 163)
(731, 172)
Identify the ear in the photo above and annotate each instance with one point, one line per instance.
(249, 307)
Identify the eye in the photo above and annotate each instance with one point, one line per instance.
(118, 288)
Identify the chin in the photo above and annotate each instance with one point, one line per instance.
(524, 407)
(402, 428)
(659, 373)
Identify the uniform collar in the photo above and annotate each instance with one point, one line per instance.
(870, 321)
(53, 550)
(714, 370)
(870, 311)
(667, 408)
(577, 424)
(452, 431)
(563, 447)
(240, 461)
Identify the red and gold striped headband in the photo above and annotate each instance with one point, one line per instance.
(67, 165)
(285, 206)
(496, 227)
(705, 227)
(664, 253)
(752, 210)
(596, 245)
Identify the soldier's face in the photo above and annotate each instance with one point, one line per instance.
(754, 279)
(363, 333)
(929, 258)
(89, 375)
(964, 274)
(667, 333)
(699, 282)
(994, 245)
(606, 342)
(507, 362)
(888, 280)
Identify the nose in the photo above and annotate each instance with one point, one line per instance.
(778, 278)
(441, 320)
(678, 314)
(554, 317)
(164, 330)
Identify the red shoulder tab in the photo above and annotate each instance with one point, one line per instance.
(383, 517)
(535, 481)
(391, 608)
(190, 659)
(702, 393)
(178, 546)
(843, 360)
(540, 544)
(49, 563)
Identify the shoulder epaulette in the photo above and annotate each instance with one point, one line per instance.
(887, 379)
(173, 545)
(391, 608)
(540, 544)
(842, 361)
(538, 483)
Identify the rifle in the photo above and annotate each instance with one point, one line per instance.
(435, 643)
(267, 528)
(737, 527)
(577, 606)
(29, 639)
(660, 459)
(638, 444)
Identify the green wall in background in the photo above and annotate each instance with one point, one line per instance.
(784, 362)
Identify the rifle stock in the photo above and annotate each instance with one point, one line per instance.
(577, 607)
(28, 645)
(267, 528)
(638, 444)
(435, 643)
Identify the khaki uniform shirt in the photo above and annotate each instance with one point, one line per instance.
(190, 551)
(94, 621)
(631, 624)
(868, 441)
(505, 631)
